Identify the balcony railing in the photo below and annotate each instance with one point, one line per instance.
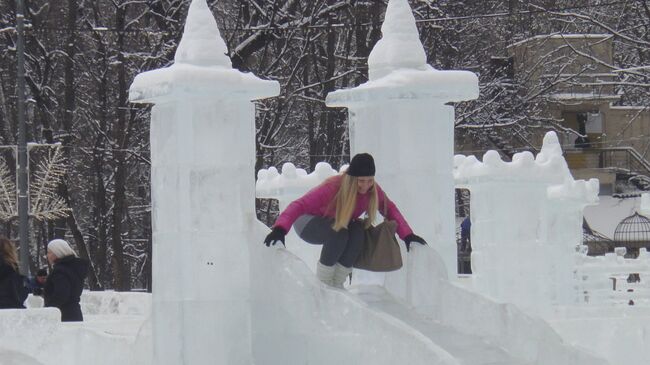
(621, 159)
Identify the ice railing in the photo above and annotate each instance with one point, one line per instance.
(613, 279)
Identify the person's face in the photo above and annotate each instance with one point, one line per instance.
(51, 257)
(41, 279)
(364, 183)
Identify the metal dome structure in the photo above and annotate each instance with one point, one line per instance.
(598, 243)
(633, 232)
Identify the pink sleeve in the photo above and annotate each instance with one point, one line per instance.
(313, 202)
(403, 228)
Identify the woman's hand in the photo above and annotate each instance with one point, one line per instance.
(277, 234)
(413, 238)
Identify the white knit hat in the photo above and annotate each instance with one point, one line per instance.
(60, 248)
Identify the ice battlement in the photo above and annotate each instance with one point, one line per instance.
(292, 182)
(575, 190)
(548, 167)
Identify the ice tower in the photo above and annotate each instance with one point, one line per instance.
(203, 206)
(526, 225)
(400, 117)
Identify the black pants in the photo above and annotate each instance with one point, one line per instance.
(343, 246)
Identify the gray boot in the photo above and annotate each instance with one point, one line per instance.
(325, 273)
(340, 275)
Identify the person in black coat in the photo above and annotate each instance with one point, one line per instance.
(12, 289)
(37, 283)
(66, 280)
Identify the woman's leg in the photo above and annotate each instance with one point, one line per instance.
(352, 250)
(318, 230)
(343, 267)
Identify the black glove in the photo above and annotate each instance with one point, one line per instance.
(413, 238)
(277, 234)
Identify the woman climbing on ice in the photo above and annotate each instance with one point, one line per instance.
(329, 215)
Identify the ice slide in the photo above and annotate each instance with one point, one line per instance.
(298, 320)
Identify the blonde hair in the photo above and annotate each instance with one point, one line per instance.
(346, 200)
(8, 253)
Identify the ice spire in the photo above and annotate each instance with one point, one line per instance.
(201, 44)
(550, 148)
(400, 45)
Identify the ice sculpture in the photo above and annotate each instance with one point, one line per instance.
(203, 211)
(526, 224)
(400, 117)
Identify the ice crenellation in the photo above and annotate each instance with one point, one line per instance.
(548, 167)
(575, 190)
(292, 181)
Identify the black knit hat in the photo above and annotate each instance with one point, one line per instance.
(362, 164)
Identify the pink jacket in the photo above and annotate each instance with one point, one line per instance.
(317, 201)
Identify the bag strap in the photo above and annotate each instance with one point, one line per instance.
(385, 210)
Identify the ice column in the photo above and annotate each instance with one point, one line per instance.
(526, 224)
(202, 160)
(400, 117)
